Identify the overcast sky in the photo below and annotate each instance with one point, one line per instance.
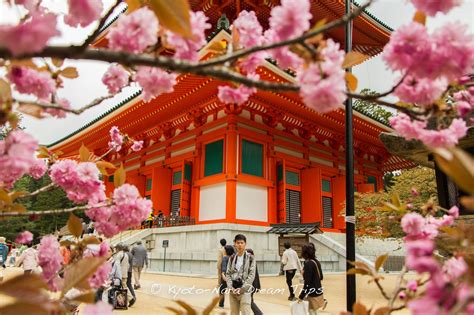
(372, 74)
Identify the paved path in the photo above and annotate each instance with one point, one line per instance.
(161, 291)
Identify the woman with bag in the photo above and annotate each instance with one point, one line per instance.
(312, 275)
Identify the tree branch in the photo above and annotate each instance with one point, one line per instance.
(381, 289)
(39, 191)
(56, 211)
(397, 288)
(334, 24)
(98, 30)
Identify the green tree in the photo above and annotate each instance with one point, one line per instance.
(414, 187)
(370, 108)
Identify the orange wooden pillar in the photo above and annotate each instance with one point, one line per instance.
(365, 188)
(196, 173)
(311, 210)
(272, 191)
(231, 171)
(161, 189)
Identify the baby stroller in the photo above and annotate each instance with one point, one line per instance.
(117, 295)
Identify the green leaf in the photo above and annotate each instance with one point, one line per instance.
(380, 261)
(74, 225)
(173, 15)
(119, 176)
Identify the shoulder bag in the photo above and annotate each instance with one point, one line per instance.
(316, 302)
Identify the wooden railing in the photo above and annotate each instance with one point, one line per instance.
(167, 221)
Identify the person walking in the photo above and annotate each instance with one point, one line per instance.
(28, 259)
(240, 275)
(313, 275)
(256, 287)
(220, 255)
(3, 257)
(129, 275)
(291, 263)
(229, 251)
(122, 259)
(140, 259)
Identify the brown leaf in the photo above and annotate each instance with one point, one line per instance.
(235, 39)
(359, 309)
(353, 58)
(382, 311)
(84, 153)
(119, 176)
(66, 243)
(13, 120)
(420, 17)
(395, 200)
(18, 207)
(211, 306)
(380, 261)
(187, 307)
(80, 271)
(133, 5)
(23, 63)
(5, 92)
(23, 285)
(458, 165)
(105, 164)
(74, 225)
(90, 240)
(351, 81)
(468, 202)
(355, 271)
(23, 307)
(5, 197)
(173, 15)
(43, 152)
(69, 72)
(316, 39)
(31, 109)
(15, 194)
(219, 47)
(88, 297)
(57, 62)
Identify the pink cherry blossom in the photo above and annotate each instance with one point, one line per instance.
(30, 81)
(250, 64)
(419, 248)
(154, 82)
(115, 78)
(422, 264)
(420, 91)
(413, 224)
(83, 12)
(29, 36)
(239, 95)
(187, 49)
(414, 191)
(116, 139)
(17, 156)
(80, 181)
(402, 295)
(431, 7)
(455, 268)
(447, 137)
(30, 5)
(412, 285)
(407, 128)
(49, 258)
(38, 169)
(134, 32)
(100, 276)
(249, 29)
(454, 212)
(137, 146)
(285, 58)
(24, 237)
(423, 306)
(100, 308)
(128, 210)
(56, 112)
(407, 46)
(290, 19)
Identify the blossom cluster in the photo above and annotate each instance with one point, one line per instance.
(17, 158)
(128, 210)
(50, 260)
(420, 244)
(29, 81)
(80, 181)
(117, 140)
(100, 276)
(24, 237)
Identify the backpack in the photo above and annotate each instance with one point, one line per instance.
(3, 252)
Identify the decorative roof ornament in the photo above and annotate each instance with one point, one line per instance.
(223, 23)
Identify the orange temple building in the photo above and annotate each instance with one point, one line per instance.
(271, 160)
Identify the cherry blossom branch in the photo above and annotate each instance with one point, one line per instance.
(334, 24)
(39, 191)
(379, 95)
(98, 30)
(398, 287)
(55, 211)
(381, 289)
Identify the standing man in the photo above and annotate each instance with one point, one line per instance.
(290, 263)
(140, 258)
(220, 255)
(129, 276)
(3, 256)
(240, 275)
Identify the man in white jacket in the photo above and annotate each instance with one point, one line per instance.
(290, 262)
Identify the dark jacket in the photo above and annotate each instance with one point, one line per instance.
(312, 282)
(256, 282)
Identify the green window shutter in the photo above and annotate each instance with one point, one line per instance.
(279, 172)
(326, 185)
(111, 178)
(292, 178)
(214, 158)
(177, 177)
(148, 184)
(372, 180)
(252, 158)
(187, 172)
